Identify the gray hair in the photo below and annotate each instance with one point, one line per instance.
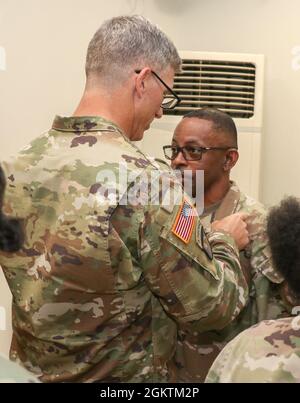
(126, 43)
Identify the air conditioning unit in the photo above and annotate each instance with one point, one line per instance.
(230, 82)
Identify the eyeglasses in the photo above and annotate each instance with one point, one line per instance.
(171, 100)
(190, 153)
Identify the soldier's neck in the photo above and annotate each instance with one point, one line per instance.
(106, 106)
(216, 192)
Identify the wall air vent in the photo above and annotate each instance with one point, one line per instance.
(226, 85)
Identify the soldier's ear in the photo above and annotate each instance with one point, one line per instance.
(141, 81)
(231, 158)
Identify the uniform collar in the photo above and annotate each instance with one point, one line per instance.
(84, 124)
(229, 203)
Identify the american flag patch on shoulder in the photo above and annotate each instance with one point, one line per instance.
(184, 223)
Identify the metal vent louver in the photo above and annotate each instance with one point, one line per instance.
(226, 85)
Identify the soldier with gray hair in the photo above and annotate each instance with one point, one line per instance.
(105, 276)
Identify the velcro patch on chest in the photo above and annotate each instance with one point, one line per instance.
(184, 222)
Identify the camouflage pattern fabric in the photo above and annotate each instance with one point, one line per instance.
(100, 286)
(10, 372)
(268, 352)
(268, 297)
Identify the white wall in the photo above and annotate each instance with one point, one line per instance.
(45, 43)
(46, 40)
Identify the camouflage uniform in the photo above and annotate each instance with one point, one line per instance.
(267, 293)
(268, 352)
(12, 373)
(100, 287)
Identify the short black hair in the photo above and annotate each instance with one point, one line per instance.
(11, 233)
(221, 121)
(283, 229)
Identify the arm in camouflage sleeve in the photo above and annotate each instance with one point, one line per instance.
(272, 302)
(199, 291)
(260, 259)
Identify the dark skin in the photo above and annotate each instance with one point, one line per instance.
(216, 164)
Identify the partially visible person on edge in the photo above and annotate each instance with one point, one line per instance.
(206, 140)
(105, 278)
(11, 239)
(270, 351)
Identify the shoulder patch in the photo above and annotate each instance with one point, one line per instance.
(184, 222)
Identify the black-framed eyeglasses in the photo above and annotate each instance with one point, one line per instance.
(171, 99)
(190, 153)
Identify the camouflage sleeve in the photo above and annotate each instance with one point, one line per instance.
(199, 287)
(264, 353)
(258, 249)
(195, 288)
(228, 366)
(267, 282)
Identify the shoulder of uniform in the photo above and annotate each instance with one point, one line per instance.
(251, 205)
(162, 164)
(161, 161)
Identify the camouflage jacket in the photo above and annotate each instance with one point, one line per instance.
(268, 352)
(10, 372)
(104, 279)
(196, 353)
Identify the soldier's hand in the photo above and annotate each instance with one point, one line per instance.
(236, 226)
